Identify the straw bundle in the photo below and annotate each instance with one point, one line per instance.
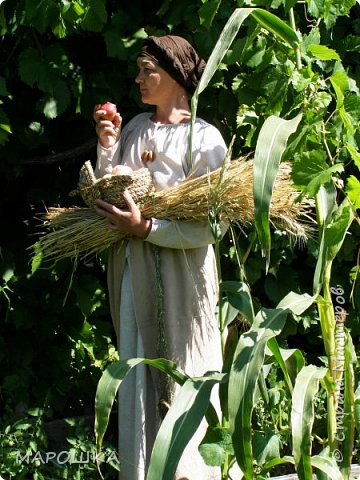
(79, 232)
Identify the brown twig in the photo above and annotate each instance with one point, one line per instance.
(59, 157)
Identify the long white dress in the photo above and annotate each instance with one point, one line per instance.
(163, 291)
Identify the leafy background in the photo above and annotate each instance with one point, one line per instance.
(60, 58)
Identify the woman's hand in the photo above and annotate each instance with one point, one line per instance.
(125, 221)
(108, 131)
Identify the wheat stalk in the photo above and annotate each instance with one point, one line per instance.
(79, 232)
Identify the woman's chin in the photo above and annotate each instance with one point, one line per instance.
(147, 99)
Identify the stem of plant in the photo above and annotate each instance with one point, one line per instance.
(293, 26)
(224, 421)
(327, 323)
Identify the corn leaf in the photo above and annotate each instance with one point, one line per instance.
(297, 304)
(269, 149)
(229, 313)
(325, 206)
(180, 424)
(302, 418)
(328, 466)
(247, 364)
(266, 19)
(110, 382)
(239, 296)
(274, 462)
(276, 351)
(275, 25)
(336, 230)
(223, 44)
(245, 370)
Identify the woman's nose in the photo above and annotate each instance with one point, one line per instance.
(138, 78)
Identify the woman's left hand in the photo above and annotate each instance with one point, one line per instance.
(125, 221)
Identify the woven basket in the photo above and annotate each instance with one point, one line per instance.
(110, 188)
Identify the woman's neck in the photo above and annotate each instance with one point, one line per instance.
(175, 116)
(176, 111)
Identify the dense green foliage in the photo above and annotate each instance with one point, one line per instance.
(58, 59)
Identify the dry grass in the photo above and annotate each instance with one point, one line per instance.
(78, 232)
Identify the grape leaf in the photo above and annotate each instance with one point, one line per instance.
(353, 190)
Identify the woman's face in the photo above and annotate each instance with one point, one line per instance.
(156, 85)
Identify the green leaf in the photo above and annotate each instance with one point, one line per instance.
(3, 89)
(37, 257)
(270, 146)
(207, 12)
(328, 466)
(266, 446)
(111, 380)
(245, 370)
(325, 206)
(222, 45)
(322, 52)
(336, 230)
(8, 274)
(329, 10)
(95, 16)
(311, 171)
(78, 9)
(296, 303)
(294, 361)
(115, 45)
(229, 313)
(355, 155)
(239, 296)
(5, 127)
(247, 364)
(224, 42)
(31, 67)
(216, 445)
(43, 14)
(275, 350)
(353, 190)
(340, 83)
(333, 233)
(275, 462)
(180, 424)
(50, 108)
(302, 417)
(227, 36)
(275, 25)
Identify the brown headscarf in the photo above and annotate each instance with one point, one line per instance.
(177, 57)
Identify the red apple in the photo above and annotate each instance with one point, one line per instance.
(110, 109)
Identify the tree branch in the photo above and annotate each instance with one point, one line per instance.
(59, 157)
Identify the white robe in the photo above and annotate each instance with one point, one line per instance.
(182, 254)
